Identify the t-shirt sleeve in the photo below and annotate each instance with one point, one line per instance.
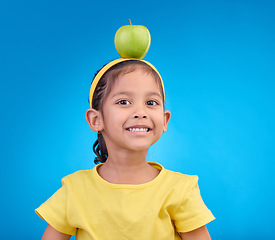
(192, 213)
(54, 211)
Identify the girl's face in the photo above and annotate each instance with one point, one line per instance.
(133, 113)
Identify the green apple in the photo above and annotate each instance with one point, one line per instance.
(132, 41)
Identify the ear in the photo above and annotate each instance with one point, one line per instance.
(167, 116)
(94, 119)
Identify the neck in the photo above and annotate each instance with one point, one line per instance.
(127, 168)
(127, 159)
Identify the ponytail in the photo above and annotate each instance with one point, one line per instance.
(100, 149)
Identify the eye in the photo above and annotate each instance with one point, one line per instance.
(152, 103)
(123, 102)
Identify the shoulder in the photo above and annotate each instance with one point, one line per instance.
(179, 175)
(177, 181)
(175, 177)
(180, 178)
(78, 178)
(180, 182)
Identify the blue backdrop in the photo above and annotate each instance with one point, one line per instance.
(217, 60)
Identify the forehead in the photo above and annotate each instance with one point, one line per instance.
(136, 81)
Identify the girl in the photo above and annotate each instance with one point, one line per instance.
(125, 197)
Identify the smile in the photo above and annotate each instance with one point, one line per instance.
(138, 129)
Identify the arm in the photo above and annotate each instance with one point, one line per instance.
(52, 234)
(197, 234)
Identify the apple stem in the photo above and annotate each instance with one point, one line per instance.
(130, 21)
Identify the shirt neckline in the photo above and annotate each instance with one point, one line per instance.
(130, 186)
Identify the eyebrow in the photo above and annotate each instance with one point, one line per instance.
(131, 93)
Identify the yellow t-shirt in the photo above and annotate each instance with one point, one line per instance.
(94, 209)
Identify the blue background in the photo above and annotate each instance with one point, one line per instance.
(217, 60)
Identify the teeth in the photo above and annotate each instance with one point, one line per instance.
(138, 129)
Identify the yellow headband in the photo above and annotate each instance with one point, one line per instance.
(108, 66)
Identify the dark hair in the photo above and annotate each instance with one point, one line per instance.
(103, 89)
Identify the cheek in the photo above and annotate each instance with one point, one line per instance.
(115, 118)
(159, 121)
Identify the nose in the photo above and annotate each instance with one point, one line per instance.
(138, 115)
(140, 112)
